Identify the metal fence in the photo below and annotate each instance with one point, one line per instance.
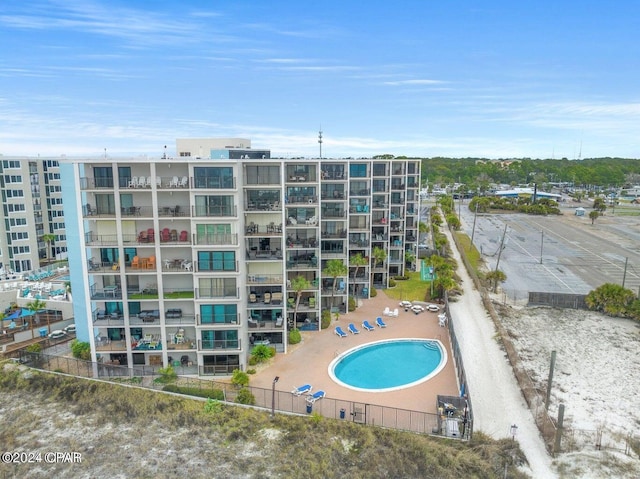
(557, 300)
(281, 401)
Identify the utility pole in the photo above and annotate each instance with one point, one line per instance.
(624, 276)
(541, 245)
(473, 230)
(501, 246)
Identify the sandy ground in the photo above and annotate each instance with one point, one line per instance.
(596, 378)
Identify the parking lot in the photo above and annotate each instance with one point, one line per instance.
(565, 254)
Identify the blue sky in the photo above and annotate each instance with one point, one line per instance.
(495, 79)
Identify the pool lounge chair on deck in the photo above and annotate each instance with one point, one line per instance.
(314, 397)
(340, 332)
(366, 325)
(380, 322)
(353, 329)
(299, 391)
(386, 312)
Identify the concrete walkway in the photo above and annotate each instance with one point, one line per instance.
(495, 395)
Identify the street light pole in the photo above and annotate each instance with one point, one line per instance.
(273, 397)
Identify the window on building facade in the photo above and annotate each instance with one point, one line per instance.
(213, 177)
(219, 313)
(216, 261)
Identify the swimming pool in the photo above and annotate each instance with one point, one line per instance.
(389, 364)
(64, 278)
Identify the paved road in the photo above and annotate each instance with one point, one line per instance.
(558, 253)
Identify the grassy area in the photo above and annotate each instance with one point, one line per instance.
(179, 295)
(471, 252)
(412, 289)
(122, 431)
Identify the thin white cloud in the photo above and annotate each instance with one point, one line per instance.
(413, 82)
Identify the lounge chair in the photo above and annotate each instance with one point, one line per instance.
(299, 391)
(386, 312)
(380, 322)
(367, 325)
(353, 329)
(340, 332)
(394, 313)
(314, 397)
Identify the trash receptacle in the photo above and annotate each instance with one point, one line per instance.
(309, 408)
(342, 413)
(43, 332)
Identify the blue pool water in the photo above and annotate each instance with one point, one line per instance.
(64, 278)
(389, 364)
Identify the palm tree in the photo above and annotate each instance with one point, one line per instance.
(299, 284)
(593, 215)
(379, 255)
(496, 276)
(335, 268)
(48, 238)
(409, 257)
(358, 261)
(36, 306)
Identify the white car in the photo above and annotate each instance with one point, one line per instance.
(434, 308)
(71, 329)
(57, 334)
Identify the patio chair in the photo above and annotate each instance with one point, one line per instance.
(386, 312)
(353, 329)
(184, 182)
(174, 182)
(367, 325)
(314, 397)
(173, 235)
(184, 236)
(279, 321)
(380, 322)
(165, 235)
(151, 262)
(184, 360)
(394, 313)
(158, 182)
(133, 182)
(340, 332)
(253, 298)
(135, 263)
(312, 302)
(304, 389)
(267, 297)
(276, 298)
(151, 235)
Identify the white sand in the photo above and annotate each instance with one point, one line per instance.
(596, 377)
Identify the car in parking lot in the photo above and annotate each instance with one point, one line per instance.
(57, 334)
(434, 308)
(71, 329)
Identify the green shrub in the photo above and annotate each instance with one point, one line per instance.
(262, 353)
(325, 319)
(212, 406)
(392, 283)
(167, 375)
(245, 397)
(253, 361)
(34, 348)
(240, 378)
(81, 350)
(217, 394)
(352, 304)
(294, 336)
(251, 371)
(373, 293)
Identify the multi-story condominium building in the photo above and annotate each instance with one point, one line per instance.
(192, 260)
(34, 228)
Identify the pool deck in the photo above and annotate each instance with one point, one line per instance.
(308, 362)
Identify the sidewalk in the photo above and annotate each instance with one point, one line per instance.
(495, 395)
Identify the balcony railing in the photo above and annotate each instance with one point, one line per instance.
(210, 344)
(216, 239)
(333, 213)
(264, 279)
(206, 293)
(218, 320)
(221, 211)
(217, 267)
(217, 370)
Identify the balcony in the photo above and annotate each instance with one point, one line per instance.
(262, 229)
(208, 293)
(105, 293)
(215, 211)
(218, 320)
(211, 344)
(258, 279)
(216, 239)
